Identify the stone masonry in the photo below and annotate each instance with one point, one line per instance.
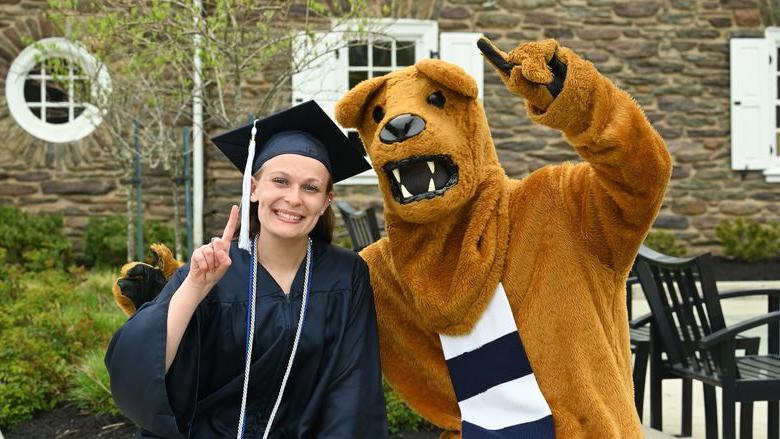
(671, 55)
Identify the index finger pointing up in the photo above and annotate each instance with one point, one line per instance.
(230, 228)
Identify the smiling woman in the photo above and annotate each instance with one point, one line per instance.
(273, 334)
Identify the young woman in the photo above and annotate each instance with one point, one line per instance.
(278, 341)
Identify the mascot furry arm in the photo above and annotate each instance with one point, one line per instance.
(560, 241)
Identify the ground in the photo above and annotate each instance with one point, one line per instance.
(68, 422)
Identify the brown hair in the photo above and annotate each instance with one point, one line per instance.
(322, 230)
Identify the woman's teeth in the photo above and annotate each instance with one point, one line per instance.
(288, 216)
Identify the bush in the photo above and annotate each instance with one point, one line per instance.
(50, 323)
(399, 416)
(748, 240)
(664, 242)
(105, 240)
(35, 242)
(90, 388)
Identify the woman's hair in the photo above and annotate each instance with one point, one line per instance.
(322, 230)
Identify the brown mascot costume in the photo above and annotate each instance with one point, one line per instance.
(501, 302)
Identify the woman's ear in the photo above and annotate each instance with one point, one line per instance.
(253, 188)
(328, 201)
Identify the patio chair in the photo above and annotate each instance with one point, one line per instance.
(361, 225)
(640, 336)
(688, 325)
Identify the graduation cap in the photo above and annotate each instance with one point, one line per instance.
(304, 129)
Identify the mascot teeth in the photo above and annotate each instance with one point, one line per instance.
(419, 178)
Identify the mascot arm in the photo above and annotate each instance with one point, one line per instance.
(612, 198)
(140, 282)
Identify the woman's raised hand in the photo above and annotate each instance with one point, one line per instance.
(210, 262)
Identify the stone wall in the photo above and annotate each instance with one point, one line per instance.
(671, 55)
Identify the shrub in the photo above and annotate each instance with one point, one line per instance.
(105, 240)
(36, 242)
(665, 242)
(748, 240)
(49, 324)
(399, 416)
(90, 388)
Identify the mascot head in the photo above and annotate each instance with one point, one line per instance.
(427, 136)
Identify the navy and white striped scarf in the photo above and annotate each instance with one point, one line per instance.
(495, 386)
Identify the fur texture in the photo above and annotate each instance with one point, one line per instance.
(165, 262)
(560, 240)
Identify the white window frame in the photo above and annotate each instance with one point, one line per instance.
(327, 78)
(19, 72)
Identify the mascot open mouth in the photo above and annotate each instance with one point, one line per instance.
(419, 178)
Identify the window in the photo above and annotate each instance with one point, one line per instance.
(331, 64)
(375, 58)
(52, 90)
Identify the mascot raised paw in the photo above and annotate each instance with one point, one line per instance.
(139, 282)
(501, 302)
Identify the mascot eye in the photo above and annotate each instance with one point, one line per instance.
(379, 113)
(437, 99)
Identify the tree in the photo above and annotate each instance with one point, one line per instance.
(147, 46)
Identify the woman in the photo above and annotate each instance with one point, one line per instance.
(297, 308)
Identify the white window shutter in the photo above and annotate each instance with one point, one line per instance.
(460, 48)
(751, 125)
(322, 70)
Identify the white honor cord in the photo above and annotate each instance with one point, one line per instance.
(292, 354)
(251, 337)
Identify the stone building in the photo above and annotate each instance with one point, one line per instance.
(673, 56)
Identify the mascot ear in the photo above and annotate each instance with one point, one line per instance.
(349, 109)
(450, 76)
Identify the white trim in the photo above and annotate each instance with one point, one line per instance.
(511, 403)
(56, 47)
(425, 35)
(496, 321)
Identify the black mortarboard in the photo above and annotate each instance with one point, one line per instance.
(304, 129)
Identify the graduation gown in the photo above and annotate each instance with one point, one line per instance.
(334, 388)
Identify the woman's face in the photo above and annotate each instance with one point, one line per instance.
(291, 192)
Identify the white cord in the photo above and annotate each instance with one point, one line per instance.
(253, 267)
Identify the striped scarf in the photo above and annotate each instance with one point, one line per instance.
(495, 386)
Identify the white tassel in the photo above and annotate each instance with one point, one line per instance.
(243, 235)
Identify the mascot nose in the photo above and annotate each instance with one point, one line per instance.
(401, 127)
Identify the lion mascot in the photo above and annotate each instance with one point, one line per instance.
(501, 302)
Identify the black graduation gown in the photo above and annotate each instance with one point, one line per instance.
(334, 389)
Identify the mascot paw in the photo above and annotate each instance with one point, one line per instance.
(140, 282)
(535, 70)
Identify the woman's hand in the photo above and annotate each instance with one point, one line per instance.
(210, 262)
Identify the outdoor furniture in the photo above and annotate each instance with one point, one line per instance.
(688, 326)
(361, 225)
(640, 337)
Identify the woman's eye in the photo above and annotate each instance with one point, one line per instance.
(279, 180)
(310, 188)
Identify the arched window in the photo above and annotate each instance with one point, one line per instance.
(54, 89)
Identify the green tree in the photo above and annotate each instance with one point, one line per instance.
(148, 47)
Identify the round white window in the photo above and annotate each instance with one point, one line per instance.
(54, 89)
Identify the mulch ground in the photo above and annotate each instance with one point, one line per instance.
(67, 422)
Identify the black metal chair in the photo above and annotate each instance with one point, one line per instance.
(689, 327)
(361, 225)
